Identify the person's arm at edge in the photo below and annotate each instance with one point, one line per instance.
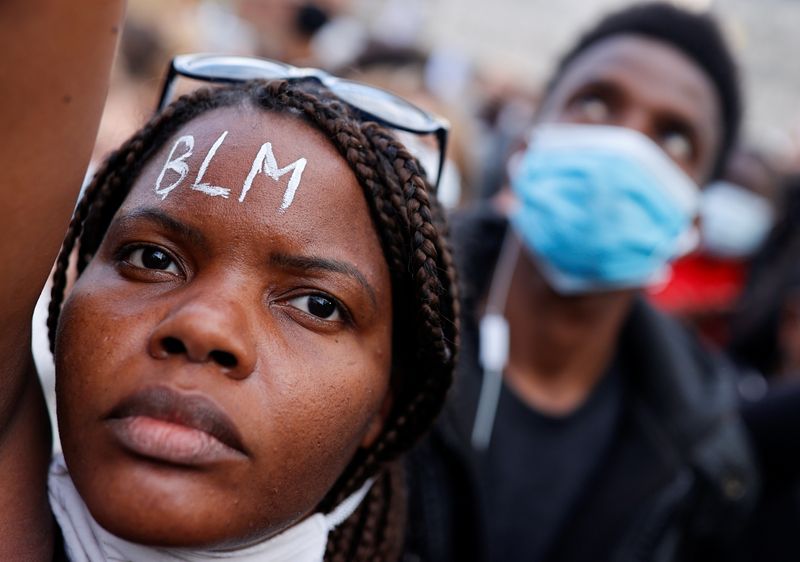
(55, 60)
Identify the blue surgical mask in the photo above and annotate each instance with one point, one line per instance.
(601, 208)
(735, 221)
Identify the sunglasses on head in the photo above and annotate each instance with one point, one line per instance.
(369, 102)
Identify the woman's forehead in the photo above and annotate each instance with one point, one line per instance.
(249, 157)
(263, 171)
(229, 151)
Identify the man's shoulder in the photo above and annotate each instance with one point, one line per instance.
(690, 392)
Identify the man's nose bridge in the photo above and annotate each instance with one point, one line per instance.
(638, 118)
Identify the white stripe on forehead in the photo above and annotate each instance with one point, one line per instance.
(265, 162)
(177, 165)
(208, 189)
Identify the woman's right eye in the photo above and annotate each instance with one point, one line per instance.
(152, 257)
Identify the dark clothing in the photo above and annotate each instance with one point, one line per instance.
(672, 480)
(534, 455)
(773, 421)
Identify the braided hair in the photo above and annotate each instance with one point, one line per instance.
(408, 221)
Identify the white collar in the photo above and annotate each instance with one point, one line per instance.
(86, 541)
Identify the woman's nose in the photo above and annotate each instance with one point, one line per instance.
(204, 331)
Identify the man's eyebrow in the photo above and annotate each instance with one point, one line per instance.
(311, 263)
(166, 222)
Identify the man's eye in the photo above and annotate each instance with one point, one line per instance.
(593, 108)
(151, 257)
(318, 305)
(678, 146)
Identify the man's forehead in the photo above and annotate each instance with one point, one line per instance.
(643, 56)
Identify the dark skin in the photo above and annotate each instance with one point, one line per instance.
(561, 346)
(281, 319)
(59, 56)
(273, 327)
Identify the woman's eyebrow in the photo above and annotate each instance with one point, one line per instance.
(311, 263)
(166, 222)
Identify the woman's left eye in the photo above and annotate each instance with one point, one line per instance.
(152, 257)
(318, 305)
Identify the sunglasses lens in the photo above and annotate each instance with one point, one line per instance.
(230, 68)
(384, 105)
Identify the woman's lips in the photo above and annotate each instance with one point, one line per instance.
(163, 424)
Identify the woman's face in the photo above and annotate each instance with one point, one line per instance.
(225, 354)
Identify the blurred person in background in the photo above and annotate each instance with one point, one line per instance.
(505, 116)
(736, 214)
(135, 82)
(766, 344)
(585, 425)
(287, 30)
(155, 31)
(406, 71)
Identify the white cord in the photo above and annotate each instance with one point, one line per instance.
(494, 343)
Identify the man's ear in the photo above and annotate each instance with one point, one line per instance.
(375, 426)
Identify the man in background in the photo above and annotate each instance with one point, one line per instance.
(603, 431)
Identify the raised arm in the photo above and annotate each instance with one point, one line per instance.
(55, 59)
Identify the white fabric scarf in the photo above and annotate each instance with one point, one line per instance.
(86, 541)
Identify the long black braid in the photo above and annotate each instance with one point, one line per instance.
(408, 220)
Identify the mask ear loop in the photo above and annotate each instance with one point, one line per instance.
(494, 343)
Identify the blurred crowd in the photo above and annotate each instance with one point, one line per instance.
(662, 418)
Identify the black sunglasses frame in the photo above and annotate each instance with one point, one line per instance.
(181, 65)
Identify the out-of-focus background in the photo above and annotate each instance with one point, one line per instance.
(475, 59)
(481, 64)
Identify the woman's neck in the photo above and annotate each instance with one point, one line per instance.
(560, 346)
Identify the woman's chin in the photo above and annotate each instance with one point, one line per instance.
(187, 533)
(162, 504)
(166, 521)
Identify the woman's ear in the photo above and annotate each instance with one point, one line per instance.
(375, 425)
